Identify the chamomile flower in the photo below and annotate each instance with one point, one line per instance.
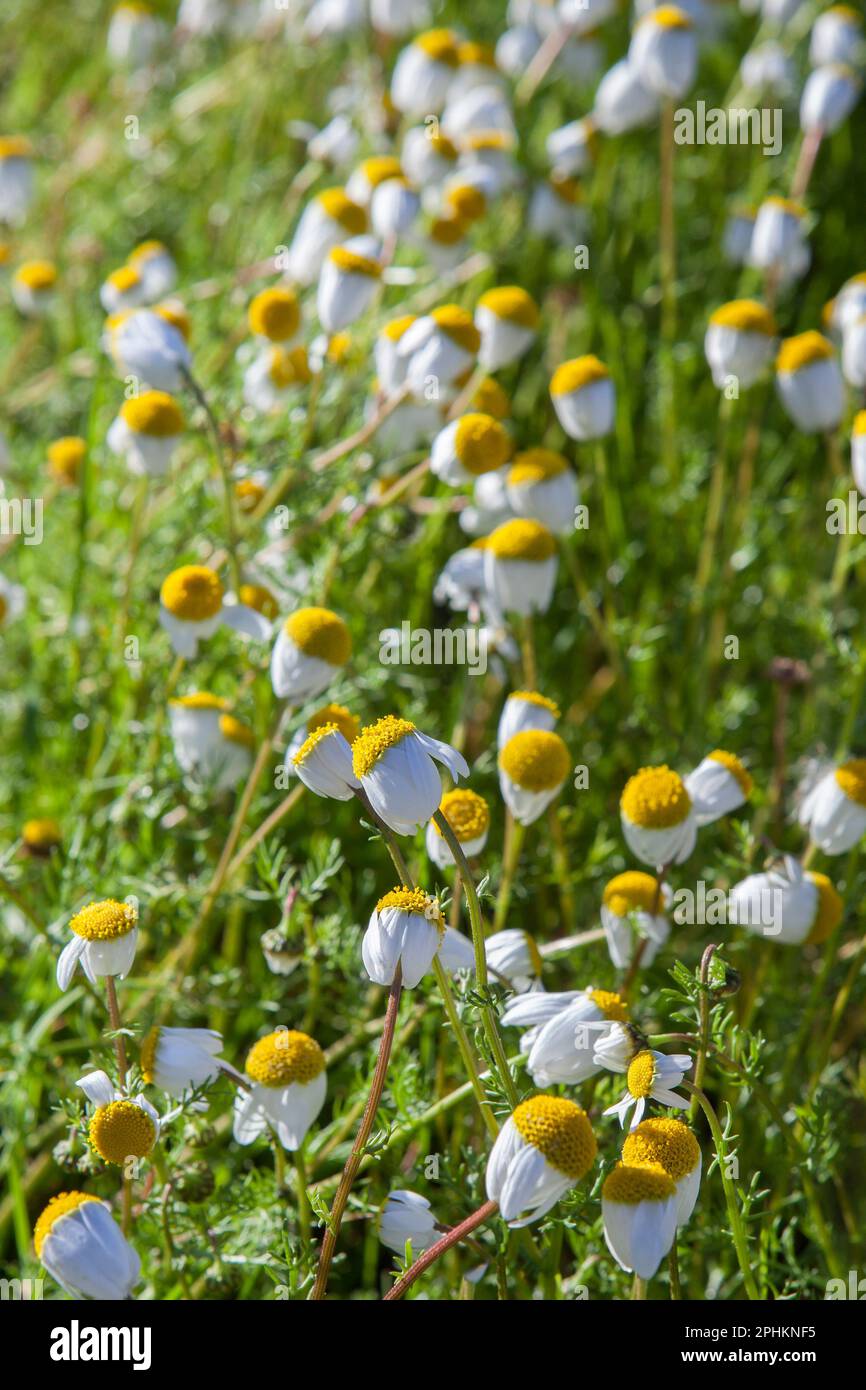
(460, 584)
(489, 508)
(66, 459)
(482, 109)
(324, 763)
(123, 289)
(211, 746)
(584, 398)
(394, 763)
(469, 817)
(623, 101)
(544, 1148)
(274, 375)
(563, 1031)
(427, 157)
(330, 218)
(346, 722)
(541, 485)
(834, 812)
(394, 207)
(657, 816)
(13, 601)
(439, 347)
(120, 1127)
(370, 175)
(633, 906)
(829, 96)
(836, 35)
(639, 1208)
(467, 447)
(192, 606)
(719, 784)
(34, 286)
(16, 178)
(83, 1248)
(178, 1060)
(476, 67)
(740, 342)
(274, 315)
(147, 432)
(143, 343)
(858, 451)
(520, 564)
(533, 768)
(788, 904)
(488, 159)
(445, 242)
(556, 210)
(525, 709)
(673, 1146)
(572, 148)
(664, 51)
(651, 1076)
(104, 937)
(157, 269)
(287, 1071)
(312, 645)
(336, 143)
(348, 282)
(407, 1216)
(738, 234)
(134, 35)
(779, 242)
(424, 72)
(809, 382)
(507, 319)
(406, 928)
(854, 353)
(515, 49)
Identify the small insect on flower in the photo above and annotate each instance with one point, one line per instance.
(423, 73)
(121, 1127)
(789, 904)
(287, 1071)
(507, 319)
(525, 709)
(329, 219)
(650, 1076)
(192, 606)
(533, 767)
(274, 316)
(407, 1216)
(395, 765)
(147, 432)
(469, 817)
(543, 1150)
(144, 343)
(324, 763)
(520, 566)
(541, 485)
(563, 1031)
(829, 96)
(439, 347)
(584, 398)
(83, 1248)
(16, 178)
(632, 909)
(312, 646)
(664, 51)
(858, 451)
(65, 459)
(213, 748)
(34, 286)
(349, 280)
(178, 1060)
(157, 269)
(671, 1145)
(740, 342)
(639, 1208)
(809, 382)
(104, 938)
(719, 784)
(406, 928)
(468, 447)
(657, 816)
(779, 243)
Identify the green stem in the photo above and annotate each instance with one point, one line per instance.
(465, 1047)
(734, 1214)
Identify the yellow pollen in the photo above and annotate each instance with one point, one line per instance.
(829, 910)
(535, 760)
(192, 593)
(536, 466)
(788, 205)
(64, 1204)
(345, 721)
(394, 330)
(233, 731)
(339, 346)
(613, 1006)
(488, 140)
(859, 426)
(641, 1075)
(353, 264)
(313, 738)
(415, 901)
(633, 891)
(851, 779)
(567, 189)
(655, 798)
(522, 539)
(441, 45)
(668, 1144)
(147, 1055)
(458, 325)
(351, 216)
(532, 697)
(42, 834)
(125, 278)
(146, 251)
(289, 368)
(37, 275)
(261, 599)
(319, 632)
(15, 147)
(375, 740)
(173, 313)
(448, 231)
(735, 768)
(274, 314)
(466, 202)
(380, 168)
(632, 1184)
(154, 413)
(577, 373)
(285, 1058)
(668, 17)
(512, 303)
(747, 315)
(65, 457)
(200, 699)
(104, 921)
(480, 443)
(560, 1130)
(248, 494)
(803, 350)
(490, 399)
(120, 1131)
(466, 812)
(442, 146)
(480, 53)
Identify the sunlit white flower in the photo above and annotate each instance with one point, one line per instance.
(673, 1146)
(312, 646)
(16, 178)
(854, 353)
(515, 49)
(82, 1247)
(809, 382)
(424, 72)
(738, 234)
(564, 1030)
(192, 606)
(336, 143)
(428, 157)
(394, 208)
(287, 1071)
(324, 763)
(858, 451)
(274, 375)
(541, 485)
(664, 51)
(395, 764)
(623, 101)
(788, 904)
(834, 812)
(211, 746)
(460, 585)
(490, 507)
(334, 18)
(651, 1076)
(829, 96)
(837, 36)
(406, 1216)
(156, 268)
(740, 342)
(765, 68)
(520, 564)
(657, 817)
(349, 280)
(398, 17)
(507, 319)
(533, 767)
(134, 35)
(525, 709)
(469, 817)
(467, 447)
(331, 217)
(146, 432)
(639, 1208)
(123, 289)
(104, 938)
(406, 929)
(633, 908)
(178, 1060)
(778, 239)
(487, 159)
(544, 1148)
(33, 288)
(719, 784)
(584, 398)
(572, 148)
(145, 344)
(483, 108)
(439, 347)
(556, 211)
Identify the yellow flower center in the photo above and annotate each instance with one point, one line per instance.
(37, 275)
(290, 368)
(560, 1130)
(65, 457)
(120, 1131)
(233, 731)
(15, 147)
(641, 1075)
(851, 778)
(415, 901)
(153, 413)
(532, 697)
(511, 303)
(803, 350)
(125, 278)
(668, 17)
(788, 205)
(647, 1183)
(442, 146)
(192, 593)
(41, 834)
(536, 466)
(351, 216)
(466, 812)
(146, 251)
(747, 315)
(479, 53)
(458, 325)
(448, 231)
(490, 398)
(535, 760)
(397, 327)
(320, 633)
(284, 1058)
(613, 1006)
(735, 768)
(313, 738)
(441, 45)
(353, 264)
(380, 168)
(200, 699)
(147, 1055)
(859, 426)
(274, 314)
(64, 1204)
(375, 740)
(655, 798)
(522, 539)
(829, 910)
(104, 921)
(667, 1144)
(632, 892)
(566, 189)
(466, 202)
(172, 312)
(345, 721)
(261, 599)
(480, 443)
(248, 494)
(577, 373)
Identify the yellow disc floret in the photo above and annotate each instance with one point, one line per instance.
(577, 373)
(274, 314)
(120, 1131)
(37, 275)
(632, 891)
(65, 457)
(376, 739)
(669, 17)
(522, 539)
(154, 413)
(313, 738)
(64, 1204)
(536, 466)
(415, 901)
(261, 599)
(233, 731)
(491, 399)
(647, 1182)
(735, 768)
(851, 779)
(42, 834)
(104, 921)
(351, 216)
(466, 812)
(285, 1058)
(200, 699)
(512, 303)
(613, 1006)
(147, 1055)
(641, 1074)
(381, 167)
(458, 325)
(320, 633)
(829, 910)
(655, 798)
(441, 45)
(535, 760)
(560, 1130)
(351, 263)
(466, 202)
(803, 350)
(192, 593)
(746, 315)
(668, 1144)
(532, 697)
(480, 443)
(345, 721)
(289, 368)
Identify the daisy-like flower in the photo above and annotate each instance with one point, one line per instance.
(39, 837)
(779, 240)
(156, 266)
(178, 1060)
(555, 209)
(738, 234)
(134, 35)
(836, 35)
(312, 645)
(394, 207)
(541, 485)
(525, 709)
(719, 784)
(274, 315)
(468, 447)
(192, 606)
(809, 382)
(740, 342)
(330, 218)
(623, 101)
(211, 746)
(143, 343)
(370, 175)
(407, 1216)
(639, 1207)
(673, 1146)
(287, 1071)
(16, 178)
(533, 767)
(657, 816)
(476, 67)
(273, 375)
(633, 904)
(390, 366)
(486, 108)
(584, 398)
(616, 1048)
(348, 724)
(120, 1128)
(854, 353)
(406, 928)
(146, 433)
(651, 1076)
(466, 195)
(572, 148)
(488, 160)
(324, 763)
(507, 319)
(858, 451)
(66, 458)
(460, 584)
(123, 289)
(788, 904)
(424, 72)
(394, 763)
(336, 143)
(349, 279)
(829, 96)
(427, 157)
(439, 347)
(83, 1248)
(13, 601)
(563, 1031)
(664, 51)
(543, 1150)
(767, 68)
(469, 817)
(33, 288)
(520, 564)
(515, 49)
(104, 937)
(490, 507)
